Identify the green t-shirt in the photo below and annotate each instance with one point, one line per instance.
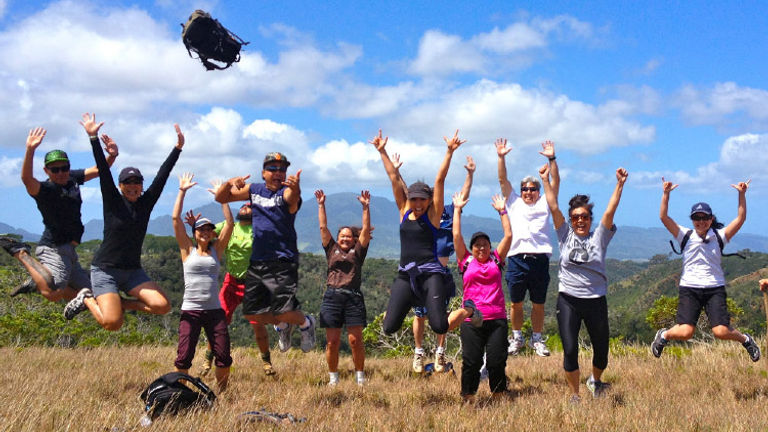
(238, 253)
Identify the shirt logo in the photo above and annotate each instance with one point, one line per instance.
(260, 201)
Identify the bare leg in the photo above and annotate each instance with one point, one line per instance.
(418, 331)
(572, 378)
(537, 317)
(516, 315)
(680, 332)
(355, 337)
(261, 336)
(456, 318)
(597, 373)
(728, 333)
(150, 298)
(107, 310)
(43, 279)
(222, 377)
(333, 335)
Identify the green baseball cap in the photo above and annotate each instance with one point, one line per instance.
(56, 156)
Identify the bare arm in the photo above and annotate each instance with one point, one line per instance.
(557, 215)
(436, 211)
(229, 221)
(502, 150)
(398, 191)
(613, 203)
(185, 244)
(741, 216)
(112, 151)
(365, 233)
(322, 219)
(458, 240)
(234, 189)
(470, 167)
(548, 151)
(292, 194)
(397, 164)
(668, 222)
(497, 201)
(34, 139)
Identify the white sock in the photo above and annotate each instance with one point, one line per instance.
(440, 350)
(360, 377)
(334, 376)
(306, 323)
(419, 351)
(517, 334)
(281, 326)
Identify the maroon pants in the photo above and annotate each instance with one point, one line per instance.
(214, 322)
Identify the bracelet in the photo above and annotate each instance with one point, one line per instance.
(502, 213)
(93, 137)
(552, 158)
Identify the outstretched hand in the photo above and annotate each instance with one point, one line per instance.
(379, 142)
(293, 181)
(185, 181)
(454, 142)
(239, 182)
(320, 196)
(35, 137)
(470, 166)
(547, 149)
(215, 185)
(110, 146)
(741, 186)
(501, 147)
(364, 198)
(497, 201)
(621, 175)
(395, 159)
(179, 137)
(90, 125)
(191, 218)
(667, 186)
(458, 200)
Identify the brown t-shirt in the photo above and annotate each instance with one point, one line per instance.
(345, 268)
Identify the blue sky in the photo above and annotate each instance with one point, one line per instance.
(674, 89)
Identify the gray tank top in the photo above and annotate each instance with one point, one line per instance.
(201, 281)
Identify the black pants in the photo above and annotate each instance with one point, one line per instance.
(432, 294)
(490, 339)
(571, 311)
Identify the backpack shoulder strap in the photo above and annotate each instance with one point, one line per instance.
(722, 246)
(683, 242)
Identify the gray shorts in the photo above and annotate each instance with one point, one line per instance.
(112, 280)
(63, 263)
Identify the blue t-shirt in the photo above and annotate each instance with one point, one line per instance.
(274, 235)
(444, 236)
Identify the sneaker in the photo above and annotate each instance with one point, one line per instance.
(658, 344)
(13, 246)
(540, 348)
(440, 361)
(516, 345)
(77, 304)
(267, 366)
(477, 317)
(284, 337)
(752, 348)
(418, 363)
(27, 287)
(597, 388)
(308, 335)
(206, 364)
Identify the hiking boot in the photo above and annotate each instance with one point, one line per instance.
(658, 344)
(77, 304)
(440, 361)
(596, 387)
(13, 246)
(267, 366)
(516, 345)
(284, 337)
(418, 363)
(752, 348)
(27, 287)
(540, 348)
(308, 335)
(477, 317)
(205, 365)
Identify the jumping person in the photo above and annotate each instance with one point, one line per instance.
(343, 302)
(200, 306)
(273, 275)
(528, 259)
(702, 282)
(116, 265)
(238, 256)
(481, 271)
(421, 279)
(56, 273)
(583, 282)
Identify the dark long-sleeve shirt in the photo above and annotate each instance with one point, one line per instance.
(125, 223)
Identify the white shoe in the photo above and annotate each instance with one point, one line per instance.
(440, 361)
(516, 345)
(540, 349)
(418, 363)
(284, 337)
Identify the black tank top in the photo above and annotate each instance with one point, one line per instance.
(417, 240)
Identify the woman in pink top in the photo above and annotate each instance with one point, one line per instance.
(481, 268)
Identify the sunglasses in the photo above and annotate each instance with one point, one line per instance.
(700, 217)
(132, 181)
(582, 216)
(273, 168)
(528, 189)
(58, 169)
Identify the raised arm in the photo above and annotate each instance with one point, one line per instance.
(229, 221)
(179, 230)
(548, 151)
(668, 222)
(292, 194)
(34, 139)
(112, 151)
(397, 163)
(497, 201)
(613, 203)
(322, 218)
(458, 240)
(501, 151)
(365, 233)
(398, 192)
(741, 216)
(470, 167)
(557, 215)
(436, 211)
(235, 189)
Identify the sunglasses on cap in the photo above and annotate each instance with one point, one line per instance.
(132, 181)
(275, 168)
(58, 169)
(528, 189)
(581, 216)
(700, 217)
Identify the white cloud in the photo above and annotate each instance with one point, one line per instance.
(720, 104)
(10, 170)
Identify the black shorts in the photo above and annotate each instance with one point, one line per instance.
(528, 272)
(270, 287)
(342, 307)
(712, 300)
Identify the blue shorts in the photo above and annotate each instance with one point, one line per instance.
(112, 280)
(528, 272)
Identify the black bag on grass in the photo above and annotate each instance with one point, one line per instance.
(170, 395)
(206, 37)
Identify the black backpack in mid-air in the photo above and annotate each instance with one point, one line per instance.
(169, 394)
(206, 37)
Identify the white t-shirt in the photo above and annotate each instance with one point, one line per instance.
(702, 266)
(530, 225)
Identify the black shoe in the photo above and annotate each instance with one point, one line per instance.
(658, 344)
(752, 348)
(77, 304)
(27, 287)
(13, 246)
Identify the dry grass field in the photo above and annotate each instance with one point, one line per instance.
(708, 388)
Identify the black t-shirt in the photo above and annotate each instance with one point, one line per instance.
(60, 207)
